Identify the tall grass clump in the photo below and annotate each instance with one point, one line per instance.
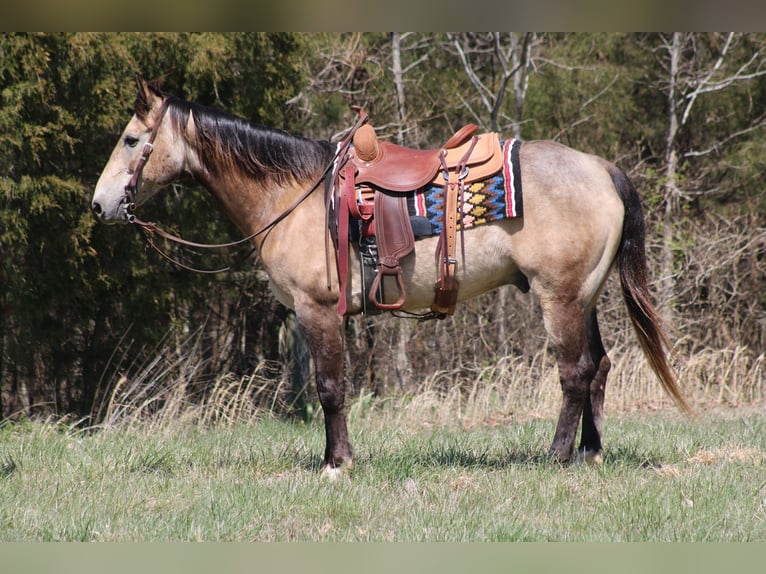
(176, 387)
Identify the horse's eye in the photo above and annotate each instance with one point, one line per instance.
(130, 141)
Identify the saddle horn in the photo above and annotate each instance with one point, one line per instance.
(365, 140)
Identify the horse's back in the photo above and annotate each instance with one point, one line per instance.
(554, 173)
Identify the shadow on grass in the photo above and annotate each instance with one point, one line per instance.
(407, 462)
(490, 451)
(451, 455)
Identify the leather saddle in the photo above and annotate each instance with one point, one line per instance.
(373, 184)
(395, 168)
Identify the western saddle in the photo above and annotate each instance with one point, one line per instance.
(371, 181)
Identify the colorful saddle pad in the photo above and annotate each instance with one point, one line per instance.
(496, 198)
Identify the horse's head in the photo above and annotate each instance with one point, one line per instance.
(144, 159)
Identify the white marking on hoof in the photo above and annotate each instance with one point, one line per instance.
(589, 457)
(332, 474)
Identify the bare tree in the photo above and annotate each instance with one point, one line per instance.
(396, 68)
(342, 69)
(510, 54)
(403, 363)
(691, 73)
(399, 73)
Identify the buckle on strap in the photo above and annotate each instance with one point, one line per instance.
(148, 149)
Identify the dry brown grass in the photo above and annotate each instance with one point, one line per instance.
(511, 389)
(508, 392)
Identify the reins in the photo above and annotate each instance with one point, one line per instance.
(149, 228)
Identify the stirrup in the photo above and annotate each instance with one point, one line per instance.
(400, 286)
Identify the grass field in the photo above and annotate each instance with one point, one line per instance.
(664, 478)
(450, 462)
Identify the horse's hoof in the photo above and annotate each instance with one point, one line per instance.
(589, 457)
(564, 459)
(333, 473)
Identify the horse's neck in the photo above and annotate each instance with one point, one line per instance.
(250, 204)
(240, 198)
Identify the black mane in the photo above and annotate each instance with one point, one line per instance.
(258, 151)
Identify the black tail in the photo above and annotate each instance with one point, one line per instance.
(631, 256)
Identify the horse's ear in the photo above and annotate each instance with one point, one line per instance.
(148, 94)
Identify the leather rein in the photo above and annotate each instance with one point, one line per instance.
(149, 228)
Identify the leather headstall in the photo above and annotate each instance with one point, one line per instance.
(131, 189)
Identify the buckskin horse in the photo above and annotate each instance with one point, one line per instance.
(581, 217)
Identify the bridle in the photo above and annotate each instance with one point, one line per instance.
(131, 189)
(149, 228)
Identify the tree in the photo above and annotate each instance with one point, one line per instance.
(495, 62)
(72, 289)
(700, 66)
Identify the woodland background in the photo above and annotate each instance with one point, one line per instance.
(86, 309)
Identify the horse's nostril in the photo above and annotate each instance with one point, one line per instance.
(96, 208)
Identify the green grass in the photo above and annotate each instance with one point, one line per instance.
(663, 479)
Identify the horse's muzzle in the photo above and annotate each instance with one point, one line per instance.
(97, 209)
(121, 214)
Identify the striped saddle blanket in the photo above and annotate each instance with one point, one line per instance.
(498, 197)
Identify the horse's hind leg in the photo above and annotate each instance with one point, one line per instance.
(322, 327)
(590, 441)
(565, 323)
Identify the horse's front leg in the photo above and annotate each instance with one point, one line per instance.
(323, 329)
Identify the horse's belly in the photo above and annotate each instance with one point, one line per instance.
(488, 264)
